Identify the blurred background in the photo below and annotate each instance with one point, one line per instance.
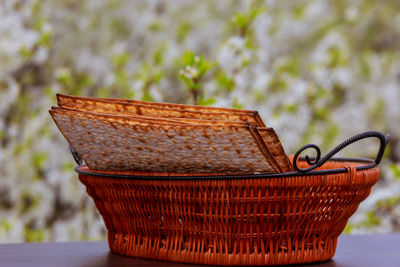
(317, 71)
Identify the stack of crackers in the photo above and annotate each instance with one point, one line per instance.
(130, 135)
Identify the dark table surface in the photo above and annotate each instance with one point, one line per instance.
(352, 250)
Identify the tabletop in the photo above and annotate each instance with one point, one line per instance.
(352, 251)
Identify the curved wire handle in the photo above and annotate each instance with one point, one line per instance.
(318, 161)
(77, 158)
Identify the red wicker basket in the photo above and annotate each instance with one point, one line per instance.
(284, 218)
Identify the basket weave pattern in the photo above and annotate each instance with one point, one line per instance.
(260, 221)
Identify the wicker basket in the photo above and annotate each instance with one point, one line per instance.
(258, 219)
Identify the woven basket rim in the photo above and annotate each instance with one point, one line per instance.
(369, 164)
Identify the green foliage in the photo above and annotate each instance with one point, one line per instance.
(45, 40)
(147, 96)
(376, 112)
(120, 60)
(349, 228)
(226, 82)
(395, 169)
(388, 204)
(365, 69)
(159, 54)
(67, 166)
(156, 26)
(102, 92)
(193, 69)
(313, 94)
(28, 202)
(198, 63)
(120, 27)
(291, 108)
(151, 72)
(38, 19)
(183, 30)
(206, 101)
(330, 133)
(73, 83)
(6, 225)
(26, 53)
(39, 159)
(277, 84)
(39, 24)
(32, 235)
(298, 11)
(337, 57)
(289, 66)
(237, 104)
(371, 220)
(122, 76)
(259, 96)
(242, 21)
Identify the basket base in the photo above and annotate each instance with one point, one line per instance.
(140, 247)
(241, 221)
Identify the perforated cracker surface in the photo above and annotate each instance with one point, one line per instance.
(107, 143)
(157, 109)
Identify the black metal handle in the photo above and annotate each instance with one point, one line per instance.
(77, 158)
(318, 161)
